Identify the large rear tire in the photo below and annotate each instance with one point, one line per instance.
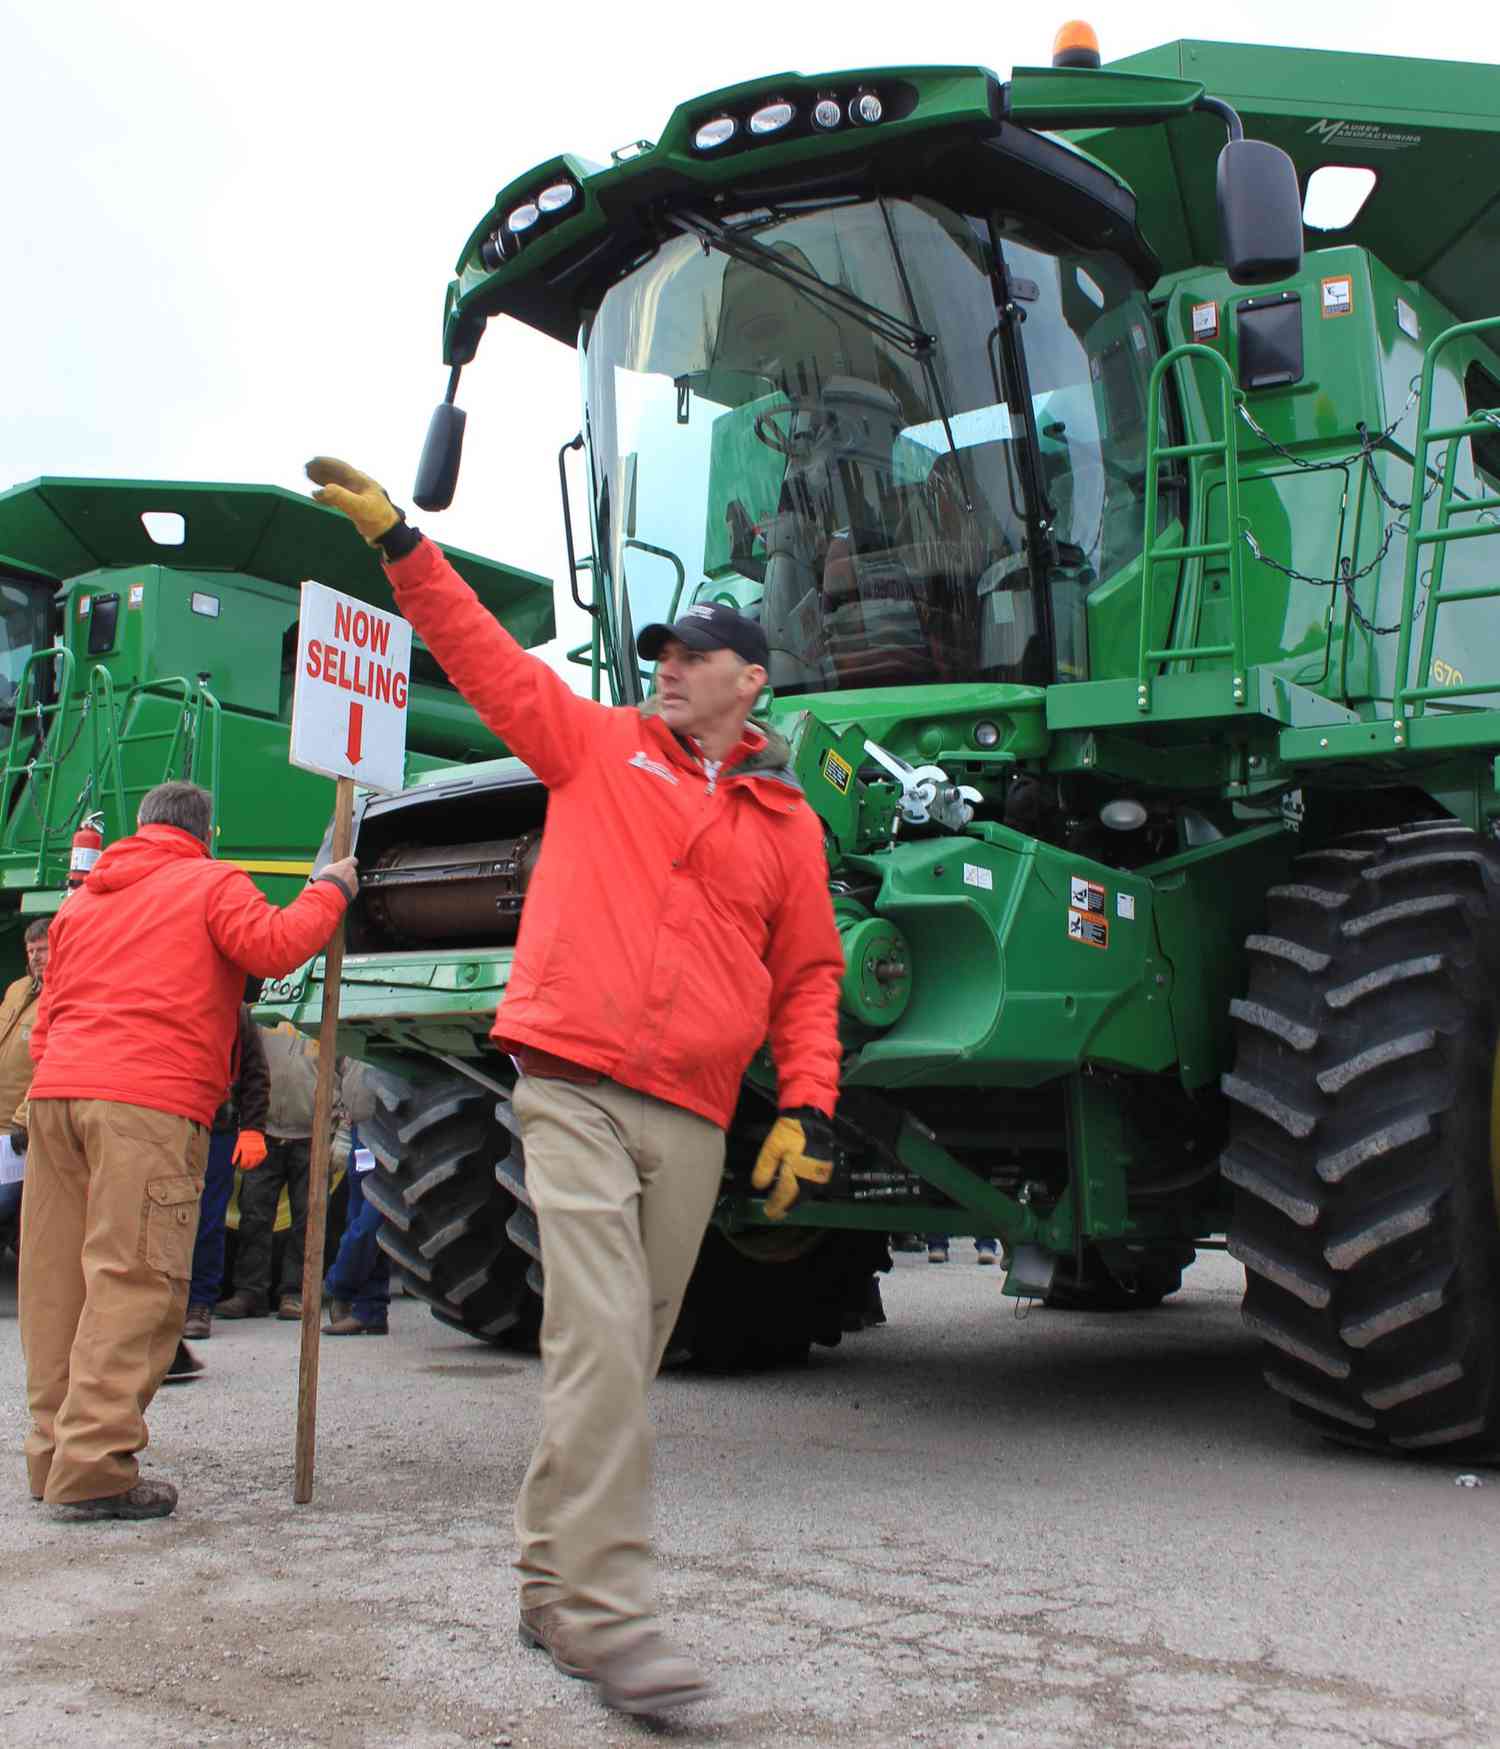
(764, 1298)
(437, 1149)
(1363, 1142)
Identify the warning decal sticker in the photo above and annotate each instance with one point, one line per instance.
(837, 771)
(1338, 295)
(1083, 926)
(1125, 906)
(1085, 895)
(1205, 321)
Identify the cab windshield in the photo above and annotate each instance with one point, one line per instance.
(893, 513)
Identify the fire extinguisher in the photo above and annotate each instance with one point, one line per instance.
(88, 841)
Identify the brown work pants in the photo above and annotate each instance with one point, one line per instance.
(623, 1186)
(107, 1229)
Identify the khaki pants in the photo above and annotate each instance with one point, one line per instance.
(107, 1230)
(623, 1186)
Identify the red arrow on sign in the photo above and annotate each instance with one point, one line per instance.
(356, 731)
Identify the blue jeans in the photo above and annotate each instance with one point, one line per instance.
(361, 1272)
(208, 1248)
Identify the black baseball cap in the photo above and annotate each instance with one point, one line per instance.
(712, 625)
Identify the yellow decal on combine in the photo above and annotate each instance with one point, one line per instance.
(837, 771)
(1445, 674)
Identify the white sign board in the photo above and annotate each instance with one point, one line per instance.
(349, 697)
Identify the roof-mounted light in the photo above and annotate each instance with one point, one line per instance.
(865, 108)
(1075, 45)
(522, 218)
(771, 118)
(717, 132)
(555, 198)
(495, 249)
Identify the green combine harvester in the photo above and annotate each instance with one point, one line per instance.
(1119, 539)
(149, 632)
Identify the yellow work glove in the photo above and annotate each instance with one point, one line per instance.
(361, 499)
(249, 1150)
(800, 1146)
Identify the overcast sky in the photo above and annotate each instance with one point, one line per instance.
(228, 228)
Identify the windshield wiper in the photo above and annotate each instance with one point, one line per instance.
(905, 336)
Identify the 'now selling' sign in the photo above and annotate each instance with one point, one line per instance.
(349, 700)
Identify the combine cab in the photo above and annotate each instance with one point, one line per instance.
(1121, 545)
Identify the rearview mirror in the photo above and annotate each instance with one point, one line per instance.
(1260, 212)
(437, 472)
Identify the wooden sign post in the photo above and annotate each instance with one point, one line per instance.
(317, 1182)
(348, 721)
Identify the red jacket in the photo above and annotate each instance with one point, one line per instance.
(147, 971)
(672, 923)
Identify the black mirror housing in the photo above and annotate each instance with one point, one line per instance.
(437, 472)
(1260, 212)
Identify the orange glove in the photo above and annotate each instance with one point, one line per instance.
(249, 1150)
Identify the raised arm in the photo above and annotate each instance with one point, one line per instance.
(525, 702)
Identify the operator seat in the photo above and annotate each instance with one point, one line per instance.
(839, 440)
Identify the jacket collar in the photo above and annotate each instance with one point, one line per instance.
(765, 768)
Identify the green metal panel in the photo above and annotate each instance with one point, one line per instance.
(1428, 129)
(60, 528)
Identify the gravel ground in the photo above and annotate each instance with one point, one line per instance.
(965, 1529)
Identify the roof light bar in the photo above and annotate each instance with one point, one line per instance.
(717, 132)
(771, 117)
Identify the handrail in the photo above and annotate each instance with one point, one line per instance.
(1411, 700)
(35, 718)
(106, 712)
(1230, 548)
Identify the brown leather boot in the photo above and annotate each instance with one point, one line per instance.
(542, 1626)
(241, 1305)
(649, 1676)
(144, 1500)
(200, 1323)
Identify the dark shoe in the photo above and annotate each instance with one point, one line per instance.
(241, 1305)
(647, 1676)
(351, 1326)
(289, 1308)
(199, 1323)
(543, 1628)
(185, 1365)
(144, 1500)
(986, 1254)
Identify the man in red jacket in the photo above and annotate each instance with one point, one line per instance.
(120, 1107)
(678, 917)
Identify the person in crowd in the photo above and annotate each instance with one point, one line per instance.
(238, 1141)
(119, 1112)
(17, 1016)
(937, 1249)
(292, 1058)
(358, 1286)
(678, 918)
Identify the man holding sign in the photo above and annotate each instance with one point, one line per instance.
(678, 917)
(132, 1046)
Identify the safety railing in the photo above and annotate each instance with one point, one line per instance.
(1230, 549)
(34, 760)
(1411, 700)
(31, 760)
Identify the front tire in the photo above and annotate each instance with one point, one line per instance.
(1363, 1142)
(437, 1148)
